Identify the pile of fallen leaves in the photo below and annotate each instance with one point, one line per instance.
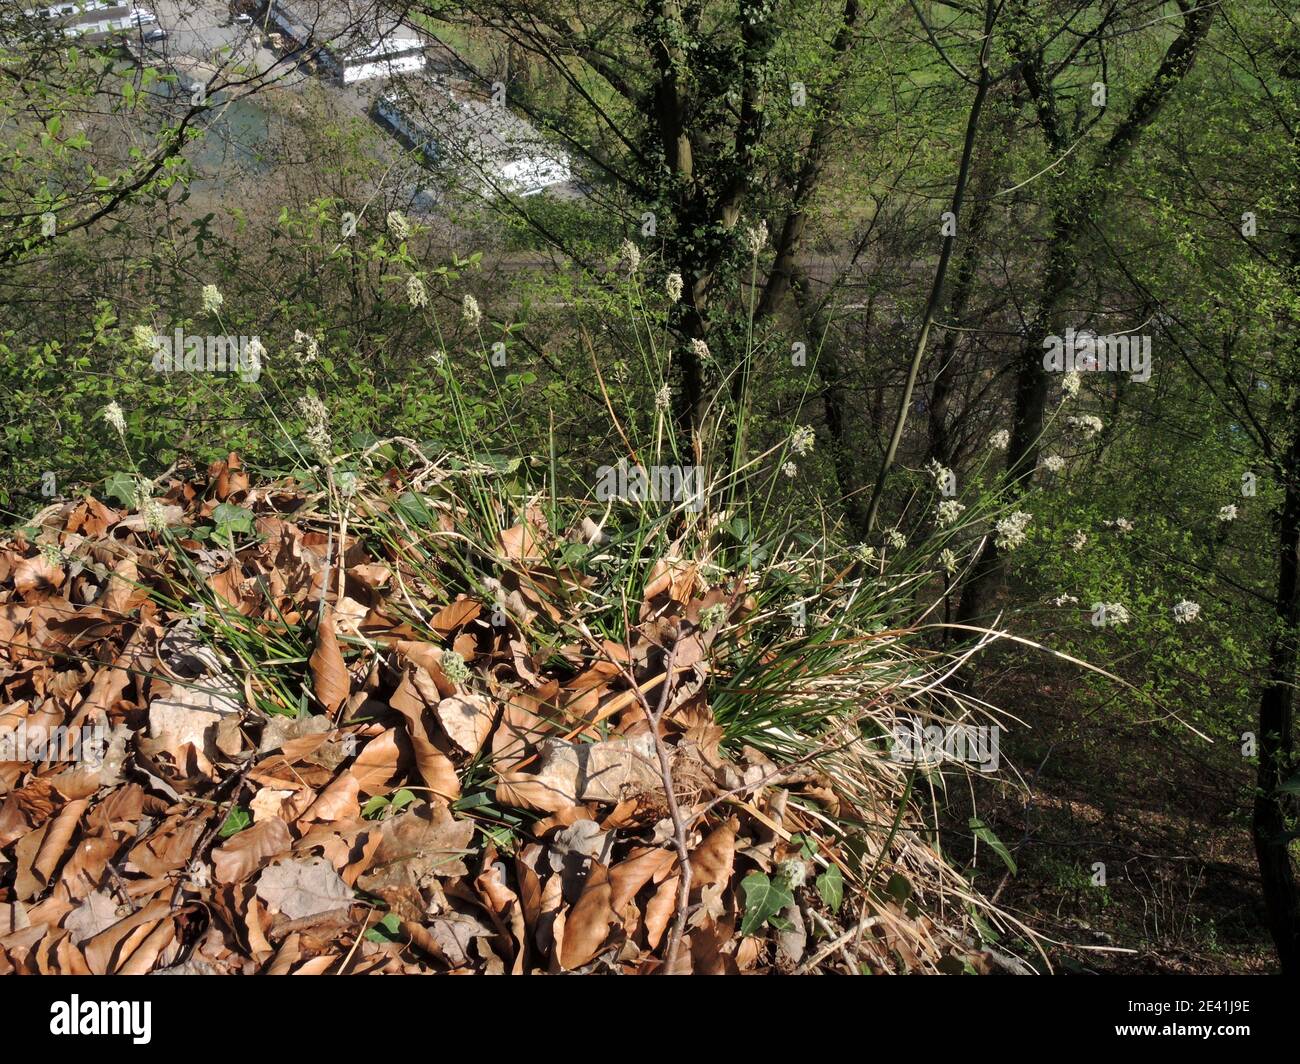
(415, 788)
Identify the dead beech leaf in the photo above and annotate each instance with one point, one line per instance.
(286, 956)
(244, 854)
(416, 694)
(587, 925)
(467, 720)
(112, 948)
(36, 574)
(121, 586)
(659, 910)
(329, 674)
(97, 913)
(338, 801)
(281, 731)
(152, 950)
(373, 575)
(569, 773)
(708, 946)
(303, 888)
(712, 907)
(425, 841)
(712, 859)
(520, 543)
(429, 658)
(503, 903)
(193, 713)
(454, 616)
(630, 875)
(55, 842)
(229, 584)
(673, 575)
(377, 763)
(454, 933)
(267, 803)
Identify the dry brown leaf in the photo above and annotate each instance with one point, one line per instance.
(268, 803)
(338, 801)
(659, 910)
(569, 773)
(377, 763)
(373, 575)
(112, 947)
(712, 859)
(586, 927)
(520, 543)
(630, 875)
(35, 574)
(55, 843)
(414, 699)
(418, 846)
(97, 913)
(303, 888)
(454, 935)
(121, 586)
(244, 854)
(467, 720)
(454, 616)
(330, 678)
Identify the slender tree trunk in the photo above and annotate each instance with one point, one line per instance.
(790, 239)
(1274, 809)
(1071, 217)
(1027, 422)
(835, 403)
(941, 447)
(940, 272)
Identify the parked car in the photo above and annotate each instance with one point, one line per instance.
(156, 34)
(244, 20)
(141, 17)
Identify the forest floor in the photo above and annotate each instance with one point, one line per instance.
(1166, 813)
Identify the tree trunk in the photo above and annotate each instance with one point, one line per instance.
(1274, 808)
(1071, 217)
(940, 271)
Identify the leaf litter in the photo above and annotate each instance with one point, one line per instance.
(318, 758)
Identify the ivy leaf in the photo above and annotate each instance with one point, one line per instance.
(985, 834)
(898, 888)
(230, 519)
(236, 821)
(764, 898)
(414, 509)
(503, 464)
(808, 847)
(120, 486)
(830, 885)
(386, 930)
